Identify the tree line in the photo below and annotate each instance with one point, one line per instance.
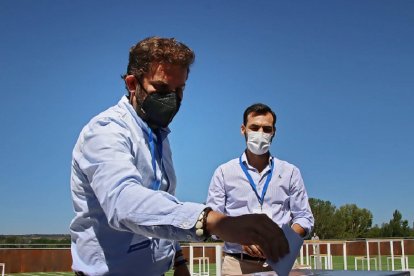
(351, 222)
(34, 239)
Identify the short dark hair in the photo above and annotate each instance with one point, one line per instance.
(259, 109)
(158, 50)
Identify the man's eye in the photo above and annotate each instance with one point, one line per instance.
(267, 130)
(165, 89)
(161, 89)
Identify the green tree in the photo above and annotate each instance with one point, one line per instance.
(355, 222)
(397, 227)
(375, 232)
(326, 226)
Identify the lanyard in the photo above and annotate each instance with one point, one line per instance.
(249, 177)
(156, 183)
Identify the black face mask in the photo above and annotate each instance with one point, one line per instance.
(160, 107)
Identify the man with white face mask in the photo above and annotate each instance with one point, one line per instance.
(257, 182)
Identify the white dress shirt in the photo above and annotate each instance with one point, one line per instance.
(285, 200)
(122, 226)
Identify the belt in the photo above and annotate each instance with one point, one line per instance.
(242, 256)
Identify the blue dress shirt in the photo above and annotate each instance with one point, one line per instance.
(122, 226)
(285, 201)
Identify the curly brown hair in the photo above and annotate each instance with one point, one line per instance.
(155, 49)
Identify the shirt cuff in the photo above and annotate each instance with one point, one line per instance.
(305, 224)
(186, 218)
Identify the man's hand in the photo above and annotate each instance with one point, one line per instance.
(181, 270)
(250, 229)
(253, 250)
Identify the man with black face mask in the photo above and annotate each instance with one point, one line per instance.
(257, 182)
(123, 182)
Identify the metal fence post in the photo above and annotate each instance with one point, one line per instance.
(218, 260)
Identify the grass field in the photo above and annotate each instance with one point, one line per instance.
(338, 264)
(169, 273)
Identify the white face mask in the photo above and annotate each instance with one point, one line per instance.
(258, 142)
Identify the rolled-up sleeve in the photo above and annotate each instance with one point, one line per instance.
(299, 202)
(106, 158)
(216, 194)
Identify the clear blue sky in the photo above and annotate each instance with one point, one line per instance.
(339, 74)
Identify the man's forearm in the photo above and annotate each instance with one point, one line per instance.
(299, 229)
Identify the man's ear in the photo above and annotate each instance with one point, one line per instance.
(243, 130)
(131, 83)
(273, 136)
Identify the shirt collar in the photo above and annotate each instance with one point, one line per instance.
(246, 162)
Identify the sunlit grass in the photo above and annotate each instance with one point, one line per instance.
(338, 264)
(169, 273)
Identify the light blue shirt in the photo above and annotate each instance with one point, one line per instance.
(285, 201)
(122, 226)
